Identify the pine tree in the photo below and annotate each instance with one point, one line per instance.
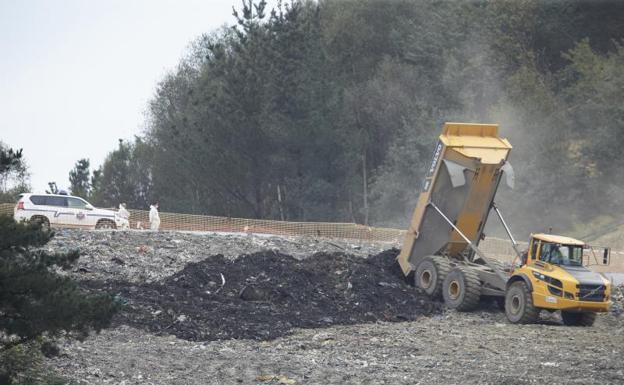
(38, 304)
(9, 160)
(14, 175)
(79, 179)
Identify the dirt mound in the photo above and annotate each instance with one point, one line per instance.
(267, 294)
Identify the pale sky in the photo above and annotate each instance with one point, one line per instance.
(76, 75)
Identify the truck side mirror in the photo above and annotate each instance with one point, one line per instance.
(606, 255)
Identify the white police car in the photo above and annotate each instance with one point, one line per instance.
(65, 211)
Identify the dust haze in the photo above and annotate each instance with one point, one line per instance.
(552, 170)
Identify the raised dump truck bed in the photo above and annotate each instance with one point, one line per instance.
(468, 163)
(441, 245)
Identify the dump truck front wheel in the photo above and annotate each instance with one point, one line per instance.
(519, 304)
(430, 274)
(578, 319)
(461, 289)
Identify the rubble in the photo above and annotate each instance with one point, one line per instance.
(617, 300)
(232, 309)
(267, 294)
(148, 256)
(448, 348)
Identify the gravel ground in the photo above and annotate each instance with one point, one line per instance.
(442, 347)
(146, 256)
(477, 348)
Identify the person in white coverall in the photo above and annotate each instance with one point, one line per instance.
(154, 218)
(123, 213)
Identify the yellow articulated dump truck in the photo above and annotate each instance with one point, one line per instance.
(441, 245)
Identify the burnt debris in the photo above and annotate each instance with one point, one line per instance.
(267, 294)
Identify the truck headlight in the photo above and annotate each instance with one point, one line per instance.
(550, 280)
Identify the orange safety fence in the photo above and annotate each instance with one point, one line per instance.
(6, 208)
(139, 219)
(496, 247)
(193, 222)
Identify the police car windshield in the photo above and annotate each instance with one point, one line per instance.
(564, 255)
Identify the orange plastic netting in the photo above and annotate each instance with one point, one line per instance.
(190, 222)
(499, 248)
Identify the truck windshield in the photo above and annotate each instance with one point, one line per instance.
(565, 255)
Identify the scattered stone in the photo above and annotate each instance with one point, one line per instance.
(147, 256)
(617, 299)
(118, 261)
(309, 327)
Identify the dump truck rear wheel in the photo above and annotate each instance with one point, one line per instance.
(519, 306)
(430, 274)
(497, 264)
(461, 289)
(578, 319)
(491, 262)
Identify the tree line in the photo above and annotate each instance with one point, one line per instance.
(328, 110)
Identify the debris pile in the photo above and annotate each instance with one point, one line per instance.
(266, 294)
(617, 300)
(147, 256)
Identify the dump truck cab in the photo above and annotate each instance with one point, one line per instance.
(441, 252)
(553, 271)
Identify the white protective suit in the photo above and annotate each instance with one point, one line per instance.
(154, 218)
(123, 213)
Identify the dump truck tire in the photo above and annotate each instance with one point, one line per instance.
(578, 319)
(461, 289)
(500, 303)
(430, 274)
(519, 307)
(491, 262)
(497, 264)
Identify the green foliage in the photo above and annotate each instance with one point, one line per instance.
(79, 183)
(125, 177)
(329, 110)
(37, 302)
(13, 174)
(23, 365)
(10, 160)
(12, 194)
